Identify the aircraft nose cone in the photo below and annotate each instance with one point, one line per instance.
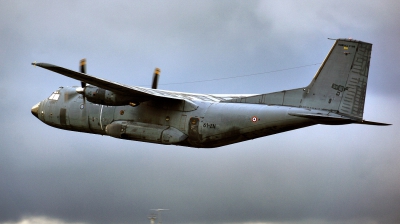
(35, 110)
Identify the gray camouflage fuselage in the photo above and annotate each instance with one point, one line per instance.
(212, 124)
(335, 96)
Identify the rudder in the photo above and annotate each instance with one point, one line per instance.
(340, 84)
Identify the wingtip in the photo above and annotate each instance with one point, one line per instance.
(34, 63)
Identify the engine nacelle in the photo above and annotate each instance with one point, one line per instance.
(145, 132)
(101, 96)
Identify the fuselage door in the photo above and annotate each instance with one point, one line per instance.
(194, 134)
(63, 117)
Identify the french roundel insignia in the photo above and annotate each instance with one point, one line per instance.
(254, 119)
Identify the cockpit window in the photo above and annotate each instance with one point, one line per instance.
(55, 95)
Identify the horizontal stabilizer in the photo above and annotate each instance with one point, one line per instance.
(372, 123)
(325, 119)
(333, 119)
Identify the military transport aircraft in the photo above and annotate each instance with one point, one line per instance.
(335, 96)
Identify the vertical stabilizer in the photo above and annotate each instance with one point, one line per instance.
(341, 82)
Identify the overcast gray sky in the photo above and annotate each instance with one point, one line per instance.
(320, 174)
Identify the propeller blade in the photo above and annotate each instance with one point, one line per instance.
(83, 70)
(155, 78)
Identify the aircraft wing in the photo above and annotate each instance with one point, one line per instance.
(141, 93)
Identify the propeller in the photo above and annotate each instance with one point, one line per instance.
(83, 70)
(156, 76)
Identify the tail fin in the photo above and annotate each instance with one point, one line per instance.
(341, 82)
(339, 87)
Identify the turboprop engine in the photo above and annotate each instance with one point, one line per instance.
(101, 96)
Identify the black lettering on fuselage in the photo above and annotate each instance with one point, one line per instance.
(209, 125)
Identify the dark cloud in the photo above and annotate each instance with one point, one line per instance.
(320, 174)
